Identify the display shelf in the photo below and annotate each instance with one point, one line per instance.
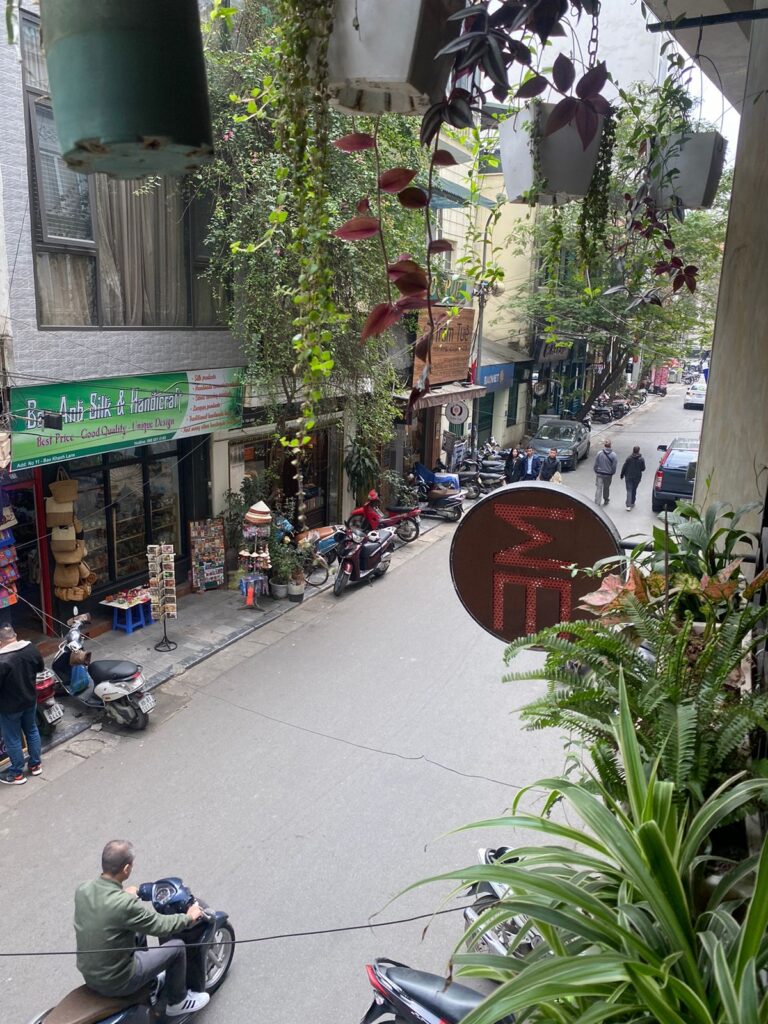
(207, 552)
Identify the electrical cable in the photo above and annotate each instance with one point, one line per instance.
(244, 942)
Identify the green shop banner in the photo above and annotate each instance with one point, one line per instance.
(120, 412)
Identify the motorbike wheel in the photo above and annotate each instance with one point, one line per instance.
(340, 583)
(381, 568)
(408, 530)
(218, 957)
(357, 523)
(455, 514)
(139, 721)
(317, 573)
(44, 727)
(472, 491)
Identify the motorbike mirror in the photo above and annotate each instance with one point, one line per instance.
(661, 448)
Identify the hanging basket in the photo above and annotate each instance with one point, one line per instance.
(691, 166)
(128, 86)
(565, 167)
(381, 54)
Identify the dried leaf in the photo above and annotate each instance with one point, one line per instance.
(396, 179)
(413, 198)
(355, 142)
(379, 319)
(358, 228)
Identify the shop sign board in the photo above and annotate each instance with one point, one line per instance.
(511, 556)
(457, 412)
(497, 377)
(120, 412)
(451, 345)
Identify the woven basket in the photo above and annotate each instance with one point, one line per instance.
(62, 488)
(66, 576)
(70, 557)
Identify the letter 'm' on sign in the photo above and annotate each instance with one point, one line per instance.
(506, 584)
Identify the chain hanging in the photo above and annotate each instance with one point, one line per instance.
(593, 39)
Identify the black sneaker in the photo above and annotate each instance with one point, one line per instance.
(12, 778)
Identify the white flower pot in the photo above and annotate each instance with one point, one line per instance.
(693, 164)
(386, 64)
(278, 590)
(566, 168)
(296, 592)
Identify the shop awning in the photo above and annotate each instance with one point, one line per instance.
(494, 352)
(450, 195)
(442, 394)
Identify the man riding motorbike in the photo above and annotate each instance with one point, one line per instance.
(107, 917)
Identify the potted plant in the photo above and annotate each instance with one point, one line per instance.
(128, 86)
(297, 584)
(401, 76)
(280, 555)
(690, 164)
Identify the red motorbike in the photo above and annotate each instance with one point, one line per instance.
(404, 520)
(361, 555)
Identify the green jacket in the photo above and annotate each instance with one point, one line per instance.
(107, 917)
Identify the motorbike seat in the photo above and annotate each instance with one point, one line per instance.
(110, 670)
(399, 508)
(84, 1006)
(451, 1002)
(370, 548)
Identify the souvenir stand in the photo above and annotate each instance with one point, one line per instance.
(255, 561)
(207, 550)
(162, 589)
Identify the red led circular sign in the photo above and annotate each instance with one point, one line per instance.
(510, 554)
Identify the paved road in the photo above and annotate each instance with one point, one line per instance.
(652, 424)
(300, 786)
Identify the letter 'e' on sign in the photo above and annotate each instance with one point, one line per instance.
(511, 552)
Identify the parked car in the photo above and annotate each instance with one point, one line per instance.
(676, 474)
(695, 395)
(569, 438)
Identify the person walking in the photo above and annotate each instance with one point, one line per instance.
(632, 473)
(531, 465)
(514, 466)
(605, 467)
(550, 466)
(20, 661)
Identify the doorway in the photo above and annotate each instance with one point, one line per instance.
(31, 613)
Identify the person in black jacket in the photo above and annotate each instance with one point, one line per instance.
(20, 661)
(514, 466)
(549, 466)
(631, 473)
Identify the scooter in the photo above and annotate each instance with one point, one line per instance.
(48, 711)
(114, 687)
(404, 520)
(362, 556)
(209, 958)
(504, 938)
(416, 997)
(482, 483)
(434, 500)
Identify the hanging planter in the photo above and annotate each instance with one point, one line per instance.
(545, 168)
(381, 55)
(690, 166)
(128, 85)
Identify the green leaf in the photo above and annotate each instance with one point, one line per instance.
(753, 930)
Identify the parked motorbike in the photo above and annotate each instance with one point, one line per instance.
(114, 687)
(403, 519)
(320, 540)
(362, 555)
(658, 389)
(482, 483)
(619, 407)
(48, 711)
(467, 476)
(515, 935)
(416, 997)
(436, 501)
(602, 412)
(209, 958)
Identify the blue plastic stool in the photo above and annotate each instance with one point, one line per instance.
(133, 618)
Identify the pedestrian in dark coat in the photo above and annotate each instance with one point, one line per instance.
(631, 473)
(531, 464)
(20, 661)
(514, 466)
(550, 466)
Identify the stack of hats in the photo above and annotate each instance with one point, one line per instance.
(258, 515)
(72, 579)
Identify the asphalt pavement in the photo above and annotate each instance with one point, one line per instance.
(302, 778)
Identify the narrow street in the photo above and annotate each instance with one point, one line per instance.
(301, 778)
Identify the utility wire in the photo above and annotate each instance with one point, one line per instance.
(243, 942)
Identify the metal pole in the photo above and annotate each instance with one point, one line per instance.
(708, 19)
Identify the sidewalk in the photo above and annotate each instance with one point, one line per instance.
(207, 623)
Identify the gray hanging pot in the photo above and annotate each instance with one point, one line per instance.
(128, 86)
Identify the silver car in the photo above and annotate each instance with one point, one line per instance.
(569, 438)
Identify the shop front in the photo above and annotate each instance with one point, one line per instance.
(137, 452)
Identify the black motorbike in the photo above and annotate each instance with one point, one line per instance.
(416, 997)
(362, 556)
(436, 501)
(209, 957)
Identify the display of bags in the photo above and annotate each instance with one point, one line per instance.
(63, 488)
(63, 538)
(59, 513)
(71, 557)
(66, 576)
(8, 596)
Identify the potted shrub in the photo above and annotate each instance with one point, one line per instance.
(381, 56)
(297, 583)
(128, 85)
(280, 555)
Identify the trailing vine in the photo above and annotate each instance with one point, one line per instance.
(595, 207)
